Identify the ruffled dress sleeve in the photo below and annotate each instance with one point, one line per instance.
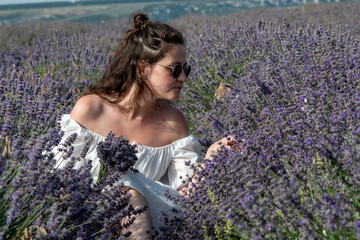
(186, 152)
(85, 138)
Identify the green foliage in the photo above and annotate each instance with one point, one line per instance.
(223, 229)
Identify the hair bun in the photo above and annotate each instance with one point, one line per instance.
(140, 20)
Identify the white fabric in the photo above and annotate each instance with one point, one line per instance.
(166, 164)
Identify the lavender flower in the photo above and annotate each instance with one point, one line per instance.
(116, 155)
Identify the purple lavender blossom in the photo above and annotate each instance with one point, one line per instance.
(116, 154)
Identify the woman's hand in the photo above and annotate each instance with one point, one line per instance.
(227, 142)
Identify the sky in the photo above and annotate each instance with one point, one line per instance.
(5, 2)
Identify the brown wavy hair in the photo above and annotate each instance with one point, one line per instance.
(148, 41)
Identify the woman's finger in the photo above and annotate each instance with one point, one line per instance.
(230, 141)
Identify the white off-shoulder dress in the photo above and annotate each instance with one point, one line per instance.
(160, 168)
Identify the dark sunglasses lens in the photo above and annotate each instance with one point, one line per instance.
(176, 71)
(187, 69)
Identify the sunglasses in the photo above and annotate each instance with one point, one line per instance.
(176, 70)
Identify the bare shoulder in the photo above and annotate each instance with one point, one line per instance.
(176, 119)
(87, 109)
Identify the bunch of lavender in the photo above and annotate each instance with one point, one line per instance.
(113, 149)
(117, 156)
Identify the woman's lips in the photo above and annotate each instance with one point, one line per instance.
(178, 88)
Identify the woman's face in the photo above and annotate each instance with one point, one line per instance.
(159, 77)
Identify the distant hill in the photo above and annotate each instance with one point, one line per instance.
(99, 11)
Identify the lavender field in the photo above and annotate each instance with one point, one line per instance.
(285, 80)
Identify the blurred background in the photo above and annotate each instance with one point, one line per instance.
(101, 11)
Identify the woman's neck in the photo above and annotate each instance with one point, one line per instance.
(148, 105)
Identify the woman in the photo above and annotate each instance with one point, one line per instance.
(147, 70)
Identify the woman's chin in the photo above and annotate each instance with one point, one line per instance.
(172, 97)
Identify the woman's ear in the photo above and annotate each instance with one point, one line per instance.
(142, 69)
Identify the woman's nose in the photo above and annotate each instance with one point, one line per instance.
(182, 76)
